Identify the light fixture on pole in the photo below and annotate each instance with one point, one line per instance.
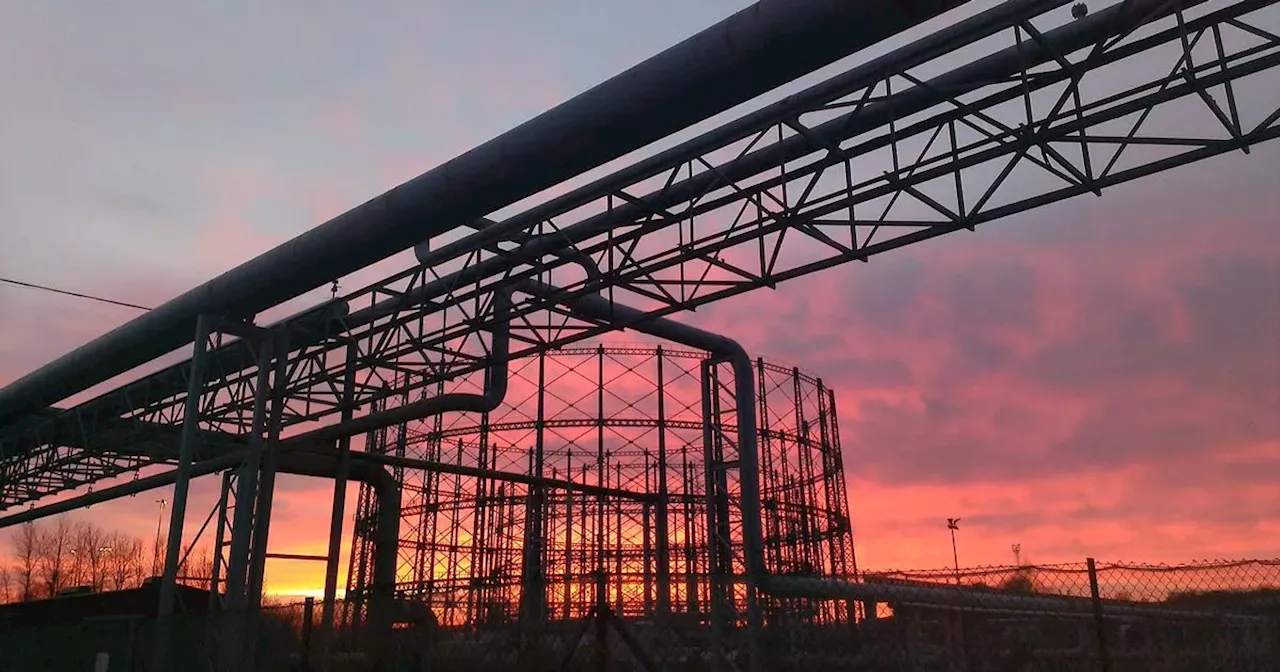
(953, 524)
(155, 549)
(1017, 555)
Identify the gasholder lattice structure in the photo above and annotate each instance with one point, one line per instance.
(630, 419)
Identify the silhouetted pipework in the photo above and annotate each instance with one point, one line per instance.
(486, 551)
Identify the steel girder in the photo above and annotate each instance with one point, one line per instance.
(899, 150)
(748, 54)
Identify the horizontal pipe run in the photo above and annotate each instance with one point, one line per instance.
(966, 31)
(1009, 61)
(305, 327)
(927, 48)
(295, 556)
(934, 45)
(597, 307)
(387, 533)
(959, 597)
(316, 465)
(513, 477)
(123, 490)
(754, 51)
(495, 390)
(757, 574)
(422, 251)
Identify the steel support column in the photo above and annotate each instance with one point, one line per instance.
(338, 512)
(181, 488)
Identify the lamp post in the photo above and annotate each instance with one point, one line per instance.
(953, 524)
(155, 549)
(1017, 555)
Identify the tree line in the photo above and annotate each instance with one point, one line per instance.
(45, 560)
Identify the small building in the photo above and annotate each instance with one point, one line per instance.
(68, 632)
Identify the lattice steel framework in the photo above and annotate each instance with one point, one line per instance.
(895, 151)
(631, 419)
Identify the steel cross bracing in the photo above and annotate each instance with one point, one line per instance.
(626, 418)
(896, 151)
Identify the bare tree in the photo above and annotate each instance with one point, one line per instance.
(91, 548)
(123, 563)
(6, 589)
(54, 556)
(26, 541)
(198, 569)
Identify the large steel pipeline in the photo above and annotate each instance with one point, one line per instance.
(752, 52)
(939, 43)
(1001, 64)
(488, 232)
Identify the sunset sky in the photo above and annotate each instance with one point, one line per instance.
(1097, 378)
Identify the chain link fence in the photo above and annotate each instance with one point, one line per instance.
(1086, 616)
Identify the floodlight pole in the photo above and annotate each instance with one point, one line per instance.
(953, 524)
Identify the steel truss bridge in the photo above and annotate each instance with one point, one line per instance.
(1008, 110)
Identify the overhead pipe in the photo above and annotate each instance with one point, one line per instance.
(1011, 60)
(1063, 39)
(305, 327)
(1073, 35)
(596, 307)
(294, 457)
(934, 45)
(299, 463)
(489, 233)
(495, 390)
(479, 472)
(143, 484)
(764, 46)
(387, 492)
(422, 251)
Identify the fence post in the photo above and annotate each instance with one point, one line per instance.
(1104, 660)
(308, 613)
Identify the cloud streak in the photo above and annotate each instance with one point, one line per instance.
(1097, 377)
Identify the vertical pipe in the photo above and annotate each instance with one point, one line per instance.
(338, 510)
(181, 487)
(664, 504)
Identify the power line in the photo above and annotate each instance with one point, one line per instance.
(78, 295)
